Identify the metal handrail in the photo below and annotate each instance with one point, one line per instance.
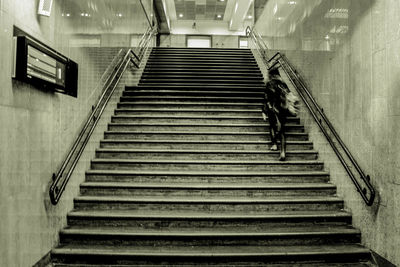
(108, 82)
(367, 191)
(147, 16)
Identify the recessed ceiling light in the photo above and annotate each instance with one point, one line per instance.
(219, 16)
(68, 14)
(249, 16)
(292, 2)
(181, 15)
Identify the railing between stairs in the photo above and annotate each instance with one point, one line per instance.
(363, 184)
(108, 82)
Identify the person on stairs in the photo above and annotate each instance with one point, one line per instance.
(279, 102)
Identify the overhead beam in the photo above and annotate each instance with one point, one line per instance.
(240, 10)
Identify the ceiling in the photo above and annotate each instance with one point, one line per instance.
(200, 10)
(223, 17)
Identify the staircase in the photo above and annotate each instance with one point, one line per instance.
(184, 176)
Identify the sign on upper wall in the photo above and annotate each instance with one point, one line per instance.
(40, 65)
(45, 7)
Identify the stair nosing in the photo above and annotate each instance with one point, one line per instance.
(214, 173)
(282, 215)
(200, 200)
(193, 151)
(206, 186)
(265, 234)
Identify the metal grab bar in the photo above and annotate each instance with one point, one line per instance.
(367, 191)
(108, 82)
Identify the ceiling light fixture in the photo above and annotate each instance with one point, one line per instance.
(292, 2)
(181, 15)
(250, 16)
(219, 16)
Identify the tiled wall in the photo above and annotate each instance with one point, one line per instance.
(36, 130)
(349, 53)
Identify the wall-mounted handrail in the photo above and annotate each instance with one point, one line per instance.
(366, 190)
(108, 82)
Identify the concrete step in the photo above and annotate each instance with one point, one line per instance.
(203, 127)
(221, 66)
(187, 112)
(194, 105)
(200, 51)
(205, 190)
(210, 255)
(152, 176)
(227, 119)
(249, 81)
(201, 144)
(162, 93)
(210, 64)
(181, 119)
(195, 154)
(198, 60)
(207, 165)
(209, 237)
(203, 85)
(204, 73)
(193, 99)
(220, 69)
(181, 135)
(306, 264)
(201, 56)
(148, 86)
(237, 204)
(208, 57)
(205, 81)
(206, 220)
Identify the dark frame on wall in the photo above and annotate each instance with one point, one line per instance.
(40, 65)
(199, 35)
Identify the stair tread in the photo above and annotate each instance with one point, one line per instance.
(198, 124)
(201, 85)
(199, 151)
(191, 104)
(198, 97)
(217, 199)
(211, 185)
(206, 232)
(215, 173)
(204, 215)
(212, 251)
(198, 92)
(185, 110)
(291, 162)
(199, 141)
(198, 132)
